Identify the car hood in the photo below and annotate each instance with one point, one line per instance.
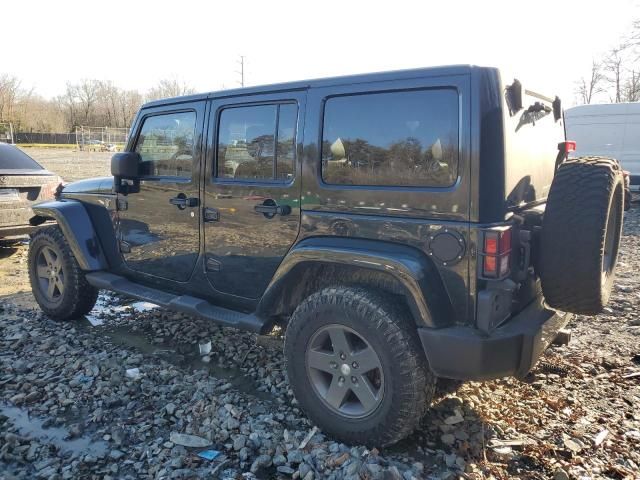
(103, 185)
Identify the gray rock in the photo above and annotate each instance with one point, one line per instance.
(117, 435)
(295, 456)
(285, 470)
(392, 473)
(244, 453)
(279, 460)
(263, 461)
(448, 439)
(116, 454)
(304, 469)
(239, 441)
(189, 440)
(353, 467)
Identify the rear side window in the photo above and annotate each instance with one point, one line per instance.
(257, 143)
(12, 158)
(166, 145)
(407, 138)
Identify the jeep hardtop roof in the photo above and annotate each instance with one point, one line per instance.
(325, 82)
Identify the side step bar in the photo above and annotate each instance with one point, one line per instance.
(179, 303)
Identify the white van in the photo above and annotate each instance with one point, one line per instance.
(611, 130)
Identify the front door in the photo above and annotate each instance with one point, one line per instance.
(252, 202)
(159, 222)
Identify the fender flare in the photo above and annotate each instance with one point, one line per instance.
(412, 269)
(76, 226)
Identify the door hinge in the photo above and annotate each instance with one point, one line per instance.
(125, 247)
(121, 204)
(211, 215)
(213, 265)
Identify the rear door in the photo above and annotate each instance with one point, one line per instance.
(252, 210)
(159, 222)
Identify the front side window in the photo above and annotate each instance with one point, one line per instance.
(405, 138)
(257, 143)
(166, 145)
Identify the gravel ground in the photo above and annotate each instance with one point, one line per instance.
(125, 393)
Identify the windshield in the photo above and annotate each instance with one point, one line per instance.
(13, 158)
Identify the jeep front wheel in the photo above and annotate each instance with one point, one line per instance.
(356, 366)
(57, 283)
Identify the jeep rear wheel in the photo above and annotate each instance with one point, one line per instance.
(356, 366)
(57, 283)
(581, 233)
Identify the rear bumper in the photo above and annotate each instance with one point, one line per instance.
(464, 353)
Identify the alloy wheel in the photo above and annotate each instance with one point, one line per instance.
(50, 274)
(345, 371)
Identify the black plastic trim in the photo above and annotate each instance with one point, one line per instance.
(76, 226)
(465, 353)
(427, 296)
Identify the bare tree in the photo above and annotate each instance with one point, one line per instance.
(89, 102)
(169, 88)
(87, 94)
(67, 105)
(588, 88)
(9, 91)
(614, 66)
(631, 89)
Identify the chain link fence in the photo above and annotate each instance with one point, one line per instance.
(106, 139)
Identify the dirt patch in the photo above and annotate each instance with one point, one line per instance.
(14, 279)
(72, 165)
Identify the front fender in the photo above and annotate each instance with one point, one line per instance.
(75, 223)
(412, 269)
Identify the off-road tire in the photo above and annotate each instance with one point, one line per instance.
(585, 201)
(79, 296)
(409, 384)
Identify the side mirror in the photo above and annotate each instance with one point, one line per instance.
(126, 165)
(125, 168)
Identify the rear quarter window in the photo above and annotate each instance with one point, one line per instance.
(404, 138)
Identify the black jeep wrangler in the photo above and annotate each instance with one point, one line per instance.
(399, 226)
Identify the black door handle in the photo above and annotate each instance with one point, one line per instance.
(182, 202)
(270, 209)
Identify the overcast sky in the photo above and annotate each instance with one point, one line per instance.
(547, 43)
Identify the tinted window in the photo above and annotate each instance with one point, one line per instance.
(287, 141)
(166, 144)
(13, 158)
(399, 138)
(257, 142)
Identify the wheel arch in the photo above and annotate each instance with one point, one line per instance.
(400, 270)
(76, 226)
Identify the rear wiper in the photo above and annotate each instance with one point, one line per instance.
(539, 107)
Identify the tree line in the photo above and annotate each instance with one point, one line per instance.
(615, 76)
(88, 102)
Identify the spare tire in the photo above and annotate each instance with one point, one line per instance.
(581, 232)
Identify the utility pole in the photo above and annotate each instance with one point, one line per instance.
(241, 72)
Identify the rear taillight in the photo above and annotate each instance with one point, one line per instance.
(50, 190)
(496, 252)
(567, 147)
